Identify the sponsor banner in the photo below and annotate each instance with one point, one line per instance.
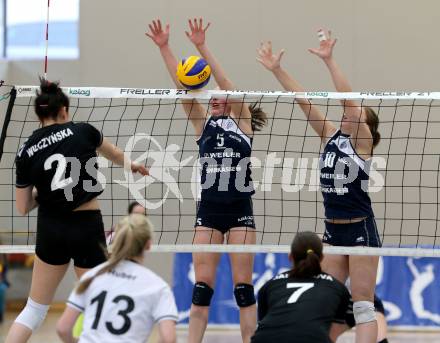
(141, 93)
(409, 288)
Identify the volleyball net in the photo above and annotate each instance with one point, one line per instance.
(151, 126)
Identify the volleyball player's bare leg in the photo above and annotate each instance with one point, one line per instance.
(205, 268)
(45, 280)
(242, 267)
(336, 266)
(382, 326)
(363, 271)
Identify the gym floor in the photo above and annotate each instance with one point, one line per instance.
(46, 334)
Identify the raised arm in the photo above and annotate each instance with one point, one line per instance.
(239, 109)
(117, 156)
(352, 109)
(194, 110)
(272, 62)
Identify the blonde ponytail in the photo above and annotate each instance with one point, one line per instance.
(132, 234)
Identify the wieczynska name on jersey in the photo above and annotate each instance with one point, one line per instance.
(46, 142)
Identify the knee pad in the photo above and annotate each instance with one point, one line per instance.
(202, 294)
(244, 295)
(32, 315)
(364, 312)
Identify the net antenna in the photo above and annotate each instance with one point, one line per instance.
(47, 39)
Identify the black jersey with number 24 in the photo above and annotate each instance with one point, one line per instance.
(300, 310)
(60, 161)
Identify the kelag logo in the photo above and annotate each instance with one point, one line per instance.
(77, 91)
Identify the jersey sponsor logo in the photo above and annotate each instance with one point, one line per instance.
(224, 154)
(122, 275)
(48, 141)
(333, 176)
(329, 190)
(222, 169)
(235, 137)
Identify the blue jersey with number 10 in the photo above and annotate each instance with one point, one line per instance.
(344, 180)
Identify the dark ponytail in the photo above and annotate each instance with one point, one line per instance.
(259, 117)
(372, 121)
(50, 100)
(306, 252)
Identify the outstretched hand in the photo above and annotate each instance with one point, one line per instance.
(198, 33)
(267, 58)
(326, 44)
(157, 34)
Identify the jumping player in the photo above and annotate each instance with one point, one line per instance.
(121, 299)
(300, 305)
(349, 215)
(225, 208)
(57, 172)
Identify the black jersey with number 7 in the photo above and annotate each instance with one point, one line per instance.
(300, 310)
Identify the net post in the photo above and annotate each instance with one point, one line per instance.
(11, 103)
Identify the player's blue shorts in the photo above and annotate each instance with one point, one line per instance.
(223, 216)
(362, 233)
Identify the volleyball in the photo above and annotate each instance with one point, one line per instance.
(193, 72)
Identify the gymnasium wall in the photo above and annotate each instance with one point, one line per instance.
(383, 45)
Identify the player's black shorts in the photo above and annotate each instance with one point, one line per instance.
(378, 307)
(225, 216)
(362, 233)
(77, 235)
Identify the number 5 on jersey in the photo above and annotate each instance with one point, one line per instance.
(300, 289)
(220, 139)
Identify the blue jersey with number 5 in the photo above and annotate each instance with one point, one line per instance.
(225, 153)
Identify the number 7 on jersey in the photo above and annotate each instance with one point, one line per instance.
(301, 288)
